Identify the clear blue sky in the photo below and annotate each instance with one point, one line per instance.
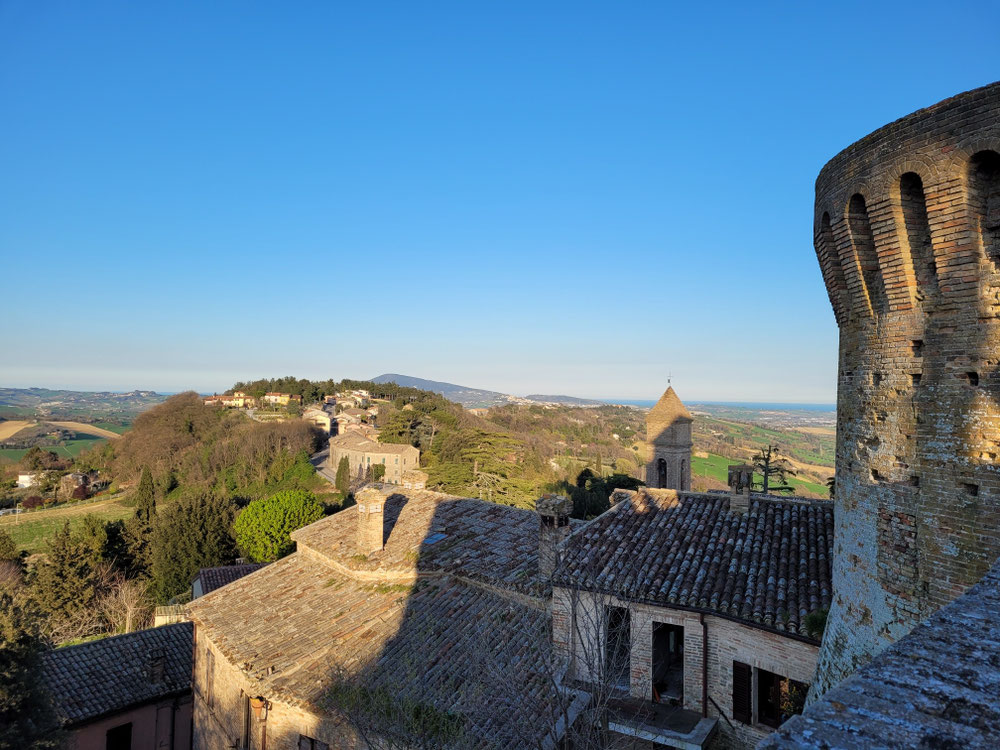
(531, 197)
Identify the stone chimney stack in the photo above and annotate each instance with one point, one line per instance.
(740, 480)
(371, 519)
(553, 520)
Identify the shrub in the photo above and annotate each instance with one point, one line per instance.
(30, 503)
(263, 529)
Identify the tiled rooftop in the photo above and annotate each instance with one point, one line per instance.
(103, 677)
(769, 566)
(299, 626)
(937, 687)
(216, 578)
(430, 531)
(357, 441)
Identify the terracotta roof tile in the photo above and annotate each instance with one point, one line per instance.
(103, 677)
(770, 566)
(215, 578)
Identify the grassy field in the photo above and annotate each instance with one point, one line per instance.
(87, 429)
(11, 427)
(717, 467)
(30, 530)
(67, 449)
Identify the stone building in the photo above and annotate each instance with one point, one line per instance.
(127, 691)
(364, 452)
(907, 232)
(417, 604)
(642, 589)
(668, 444)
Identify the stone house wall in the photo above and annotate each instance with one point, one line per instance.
(219, 723)
(582, 637)
(907, 233)
(360, 460)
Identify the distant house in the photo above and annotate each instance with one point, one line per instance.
(27, 479)
(319, 417)
(238, 400)
(210, 579)
(282, 399)
(362, 453)
(127, 691)
(80, 483)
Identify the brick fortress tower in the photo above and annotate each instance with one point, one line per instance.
(907, 231)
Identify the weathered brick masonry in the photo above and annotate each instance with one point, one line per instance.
(907, 231)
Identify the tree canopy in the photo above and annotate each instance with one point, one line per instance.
(264, 527)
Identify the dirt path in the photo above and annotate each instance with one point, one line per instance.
(87, 429)
(11, 427)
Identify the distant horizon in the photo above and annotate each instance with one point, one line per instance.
(818, 406)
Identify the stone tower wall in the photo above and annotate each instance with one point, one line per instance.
(672, 445)
(907, 232)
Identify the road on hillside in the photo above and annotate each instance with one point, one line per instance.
(319, 461)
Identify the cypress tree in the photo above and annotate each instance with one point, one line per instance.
(343, 479)
(139, 529)
(67, 581)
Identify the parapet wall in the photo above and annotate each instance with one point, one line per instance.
(907, 232)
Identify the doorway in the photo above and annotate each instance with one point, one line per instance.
(668, 663)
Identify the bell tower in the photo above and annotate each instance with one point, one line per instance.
(668, 444)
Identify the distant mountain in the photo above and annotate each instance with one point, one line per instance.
(470, 398)
(564, 400)
(477, 398)
(47, 403)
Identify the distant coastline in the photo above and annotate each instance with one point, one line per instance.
(755, 405)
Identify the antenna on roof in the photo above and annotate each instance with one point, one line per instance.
(670, 378)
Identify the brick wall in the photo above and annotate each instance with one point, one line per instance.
(728, 641)
(905, 220)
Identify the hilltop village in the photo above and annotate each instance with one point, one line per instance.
(730, 618)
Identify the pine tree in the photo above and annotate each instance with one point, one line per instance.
(343, 479)
(139, 528)
(27, 721)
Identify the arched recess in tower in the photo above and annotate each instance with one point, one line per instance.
(830, 262)
(864, 249)
(918, 235)
(984, 200)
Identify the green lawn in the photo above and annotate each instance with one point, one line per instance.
(717, 467)
(67, 449)
(113, 427)
(31, 530)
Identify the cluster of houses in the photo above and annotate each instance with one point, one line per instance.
(242, 400)
(681, 617)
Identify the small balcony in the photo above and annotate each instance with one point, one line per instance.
(661, 724)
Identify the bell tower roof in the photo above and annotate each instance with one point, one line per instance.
(669, 409)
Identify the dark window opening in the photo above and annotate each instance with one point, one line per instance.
(830, 263)
(877, 378)
(778, 698)
(668, 663)
(918, 348)
(683, 474)
(119, 738)
(661, 474)
(918, 234)
(915, 378)
(914, 481)
(876, 475)
(308, 743)
(970, 488)
(972, 377)
(984, 200)
(618, 645)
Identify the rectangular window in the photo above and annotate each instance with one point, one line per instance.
(617, 645)
(209, 678)
(119, 738)
(308, 743)
(778, 698)
(742, 685)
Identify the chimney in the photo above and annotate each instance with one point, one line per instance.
(371, 517)
(553, 520)
(156, 665)
(740, 479)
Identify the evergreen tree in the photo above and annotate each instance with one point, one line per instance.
(263, 528)
(343, 479)
(197, 533)
(27, 721)
(65, 585)
(139, 529)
